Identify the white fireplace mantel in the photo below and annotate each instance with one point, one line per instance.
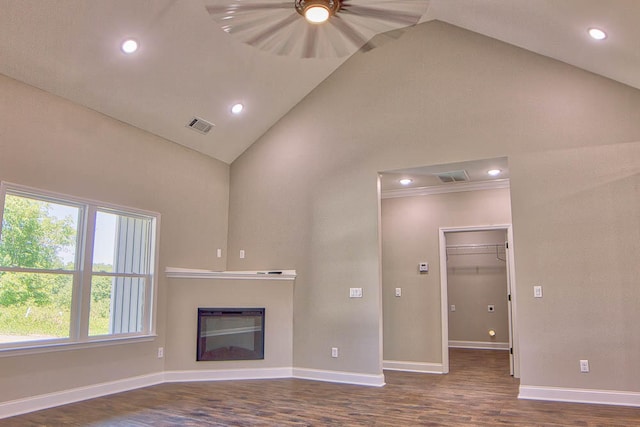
(191, 273)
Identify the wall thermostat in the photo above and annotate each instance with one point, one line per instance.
(423, 267)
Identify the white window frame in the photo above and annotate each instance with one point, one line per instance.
(83, 273)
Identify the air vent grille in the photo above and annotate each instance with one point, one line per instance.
(200, 125)
(453, 176)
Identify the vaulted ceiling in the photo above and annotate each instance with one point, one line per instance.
(187, 66)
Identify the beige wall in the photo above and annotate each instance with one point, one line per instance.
(477, 278)
(52, 144)
(187, 295)
(305, 196)
(410, 235)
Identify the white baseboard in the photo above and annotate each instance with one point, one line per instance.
(227, 374)
(49, 400)
(601, 397)
(426, 368)
(44, 401)
(339, 377)
(479, 345)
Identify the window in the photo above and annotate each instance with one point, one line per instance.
(72, 270)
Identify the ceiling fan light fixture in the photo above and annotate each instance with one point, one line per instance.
(316, 14)
(348, 27)
(317, 11)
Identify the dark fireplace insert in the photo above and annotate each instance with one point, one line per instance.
(230, 334)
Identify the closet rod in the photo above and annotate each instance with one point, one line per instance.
(488, 248)
(477, 246)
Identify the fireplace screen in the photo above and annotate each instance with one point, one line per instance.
(230, 334)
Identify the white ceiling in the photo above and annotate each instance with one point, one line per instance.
(187, 66)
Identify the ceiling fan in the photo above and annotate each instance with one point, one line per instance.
(313, 28)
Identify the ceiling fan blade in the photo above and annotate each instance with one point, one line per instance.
(289, 43)
(351, 34)
(310, 42)
(270, 31)
(406, 18)
(275, 26)
(237, 7)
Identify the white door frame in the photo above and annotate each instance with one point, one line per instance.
(511, 280)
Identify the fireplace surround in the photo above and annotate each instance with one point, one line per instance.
(230, 334)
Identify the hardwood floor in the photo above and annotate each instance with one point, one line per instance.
(477, 392)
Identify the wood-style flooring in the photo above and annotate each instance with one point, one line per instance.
(477, 392)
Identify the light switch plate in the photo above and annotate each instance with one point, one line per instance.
(355, 292)
(537, 291)
(584, 366)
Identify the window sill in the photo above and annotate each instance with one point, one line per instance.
(66, 346)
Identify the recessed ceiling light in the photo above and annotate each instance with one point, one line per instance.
(406, 181)
(237, 108)
(494, 172)
(129, 46)
(597, 34)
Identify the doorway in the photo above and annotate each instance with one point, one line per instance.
(432, 200)
(477, 290)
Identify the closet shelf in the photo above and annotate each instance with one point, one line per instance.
(496, 249)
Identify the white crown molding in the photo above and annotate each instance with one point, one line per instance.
(479, 345)
(574, 395)
(49, 400)
(446, 188)
(339, 377)
(190, 273)
(425, 368)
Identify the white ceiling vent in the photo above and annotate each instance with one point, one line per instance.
(200, 125)
(453, 176)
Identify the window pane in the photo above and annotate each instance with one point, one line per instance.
(38, 234)
(117, 305)
(122, 243)
(34, 306)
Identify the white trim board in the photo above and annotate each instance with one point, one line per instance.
(64, 397)
(227, 374)
(575, 395)
(339, 377)
(421, 367)
(479, 345)
(50, 400)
